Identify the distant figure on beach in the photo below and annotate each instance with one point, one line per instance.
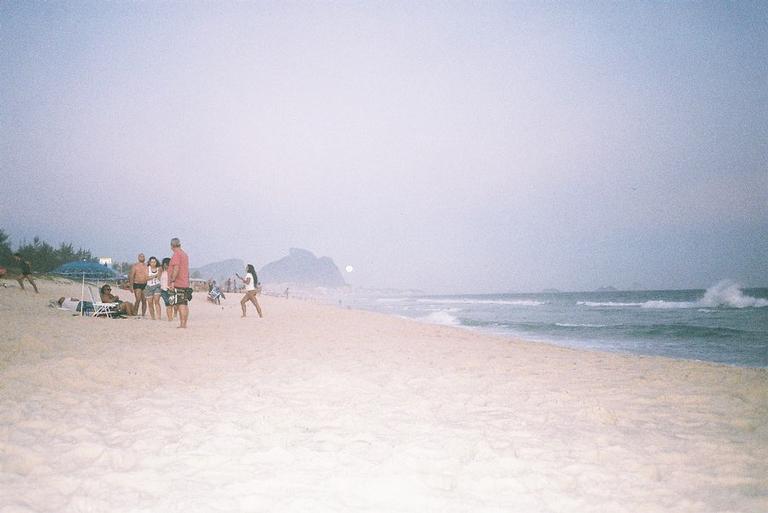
(251, 289)
(286, 292)
(26, 272)
(170, 309)
(137, 279)
(152, 292)
(215, 295)
(178, 282)
(105, 293)
(228, 285)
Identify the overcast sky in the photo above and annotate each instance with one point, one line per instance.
(445, 146)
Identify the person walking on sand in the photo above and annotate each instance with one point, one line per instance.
(251, 289)
(26, 272)
(137, 280)
(170, 309)
(152, 292)
(179, 279)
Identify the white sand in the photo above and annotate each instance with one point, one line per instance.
(315, 408)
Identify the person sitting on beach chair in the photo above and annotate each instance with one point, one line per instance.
(124, 307)
(215, 295)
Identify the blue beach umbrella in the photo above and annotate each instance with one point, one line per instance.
(85, 269)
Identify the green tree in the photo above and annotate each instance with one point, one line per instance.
(65, 253)
(40, 254)
(5, 248)
(45, 258)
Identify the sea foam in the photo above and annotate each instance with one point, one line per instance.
(725, 294)
(728, 293)
(441, 317)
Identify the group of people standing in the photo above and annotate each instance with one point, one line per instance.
(151, 280)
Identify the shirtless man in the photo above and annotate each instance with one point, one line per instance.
(179, 277)
(137, 279)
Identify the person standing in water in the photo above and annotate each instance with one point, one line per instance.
(251, 289)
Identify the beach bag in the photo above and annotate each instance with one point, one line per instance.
(88, 307)
(180, 296)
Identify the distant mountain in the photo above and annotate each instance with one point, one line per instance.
(219, 271)
(304, 268)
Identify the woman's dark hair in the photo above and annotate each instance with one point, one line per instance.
(167, 261)
(150, 260)
(249, 269)
(103, 287)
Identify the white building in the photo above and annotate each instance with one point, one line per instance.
(106, 261)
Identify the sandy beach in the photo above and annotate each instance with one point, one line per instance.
(318, 408)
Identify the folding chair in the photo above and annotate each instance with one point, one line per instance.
(101, 309)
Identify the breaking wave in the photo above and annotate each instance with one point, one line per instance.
(441, 317)
(725, 294)
(728, 294)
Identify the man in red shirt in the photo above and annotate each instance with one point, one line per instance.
(179, 279)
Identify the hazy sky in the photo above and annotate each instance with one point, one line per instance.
(446, 146)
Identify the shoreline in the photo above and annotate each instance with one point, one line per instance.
(675, 326)
(350, 410)
(73, 286)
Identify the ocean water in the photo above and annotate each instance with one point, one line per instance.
(723, 324)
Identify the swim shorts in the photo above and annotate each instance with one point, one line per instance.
(139, 286)
(180, 296)
(166, 297)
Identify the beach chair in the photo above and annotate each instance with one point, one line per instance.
(215, 295)
(101, 309)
